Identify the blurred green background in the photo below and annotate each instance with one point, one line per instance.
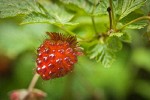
(127, 79)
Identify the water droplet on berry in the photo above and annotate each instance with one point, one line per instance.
(45, 58)
(50, 65)
(39, 62)
(38, 70)
(40, 54)
(47, 50)
(69, 50)
(52, 56)
(61, 51)
(53, 51)
(71, 62)
(38, 49)
(43, 76)
(43, 69)
(59, 60)
(42, 46)
(67, 59)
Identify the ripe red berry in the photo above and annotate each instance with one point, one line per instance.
(57, 56)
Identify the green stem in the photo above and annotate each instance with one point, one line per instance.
(112, 13)
(33, 82)
(94, 26)
(135, 20)
(67, 31)
(110, 17)
(92, 18)
(62, 28)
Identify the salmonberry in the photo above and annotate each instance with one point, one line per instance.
(57, 55)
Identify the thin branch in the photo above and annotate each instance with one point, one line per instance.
(94, 26)
(135, 20)
(92, 18)
(33, 82)
(67, 31)
(112, 13)
(110, 17)
(64, 29)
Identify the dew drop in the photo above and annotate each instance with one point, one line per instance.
(45, 58)
(38, 70)
(50, 72)
(38, 49)
(39, 62)
(60, 68)
(69, 50)
(52, 56)
(71, 62)
(58, 60)
(61, 51)
(43, 76)
(42, 46)
(37, 59)
(43, 69)
(53, 51)
(39, 54)
(50, 65)
(67, 59)
(47, 50)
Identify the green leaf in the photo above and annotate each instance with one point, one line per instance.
(54, 14)
(11, 8)
(37, 18)
(83, 5)
(114, 44)
(90, 7)
(146, 8)
(118, 34)
(125, 7)
(101, 53)
(126, 38)
(137, 25)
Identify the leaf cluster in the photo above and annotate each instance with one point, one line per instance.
(88, 19)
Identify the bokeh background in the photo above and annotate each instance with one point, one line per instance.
(128, 78)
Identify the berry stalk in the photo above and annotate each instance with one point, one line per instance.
(33, 82)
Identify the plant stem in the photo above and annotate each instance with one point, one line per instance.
(62, 28)
(92, 18)
(33, 82)
(94, 26)
(67, 31)
(135, 20)
(110, 17)
(112, 14)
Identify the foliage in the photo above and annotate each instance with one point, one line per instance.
(20, 35)
(65, 12)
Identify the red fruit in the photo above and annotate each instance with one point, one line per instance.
(57, 56)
